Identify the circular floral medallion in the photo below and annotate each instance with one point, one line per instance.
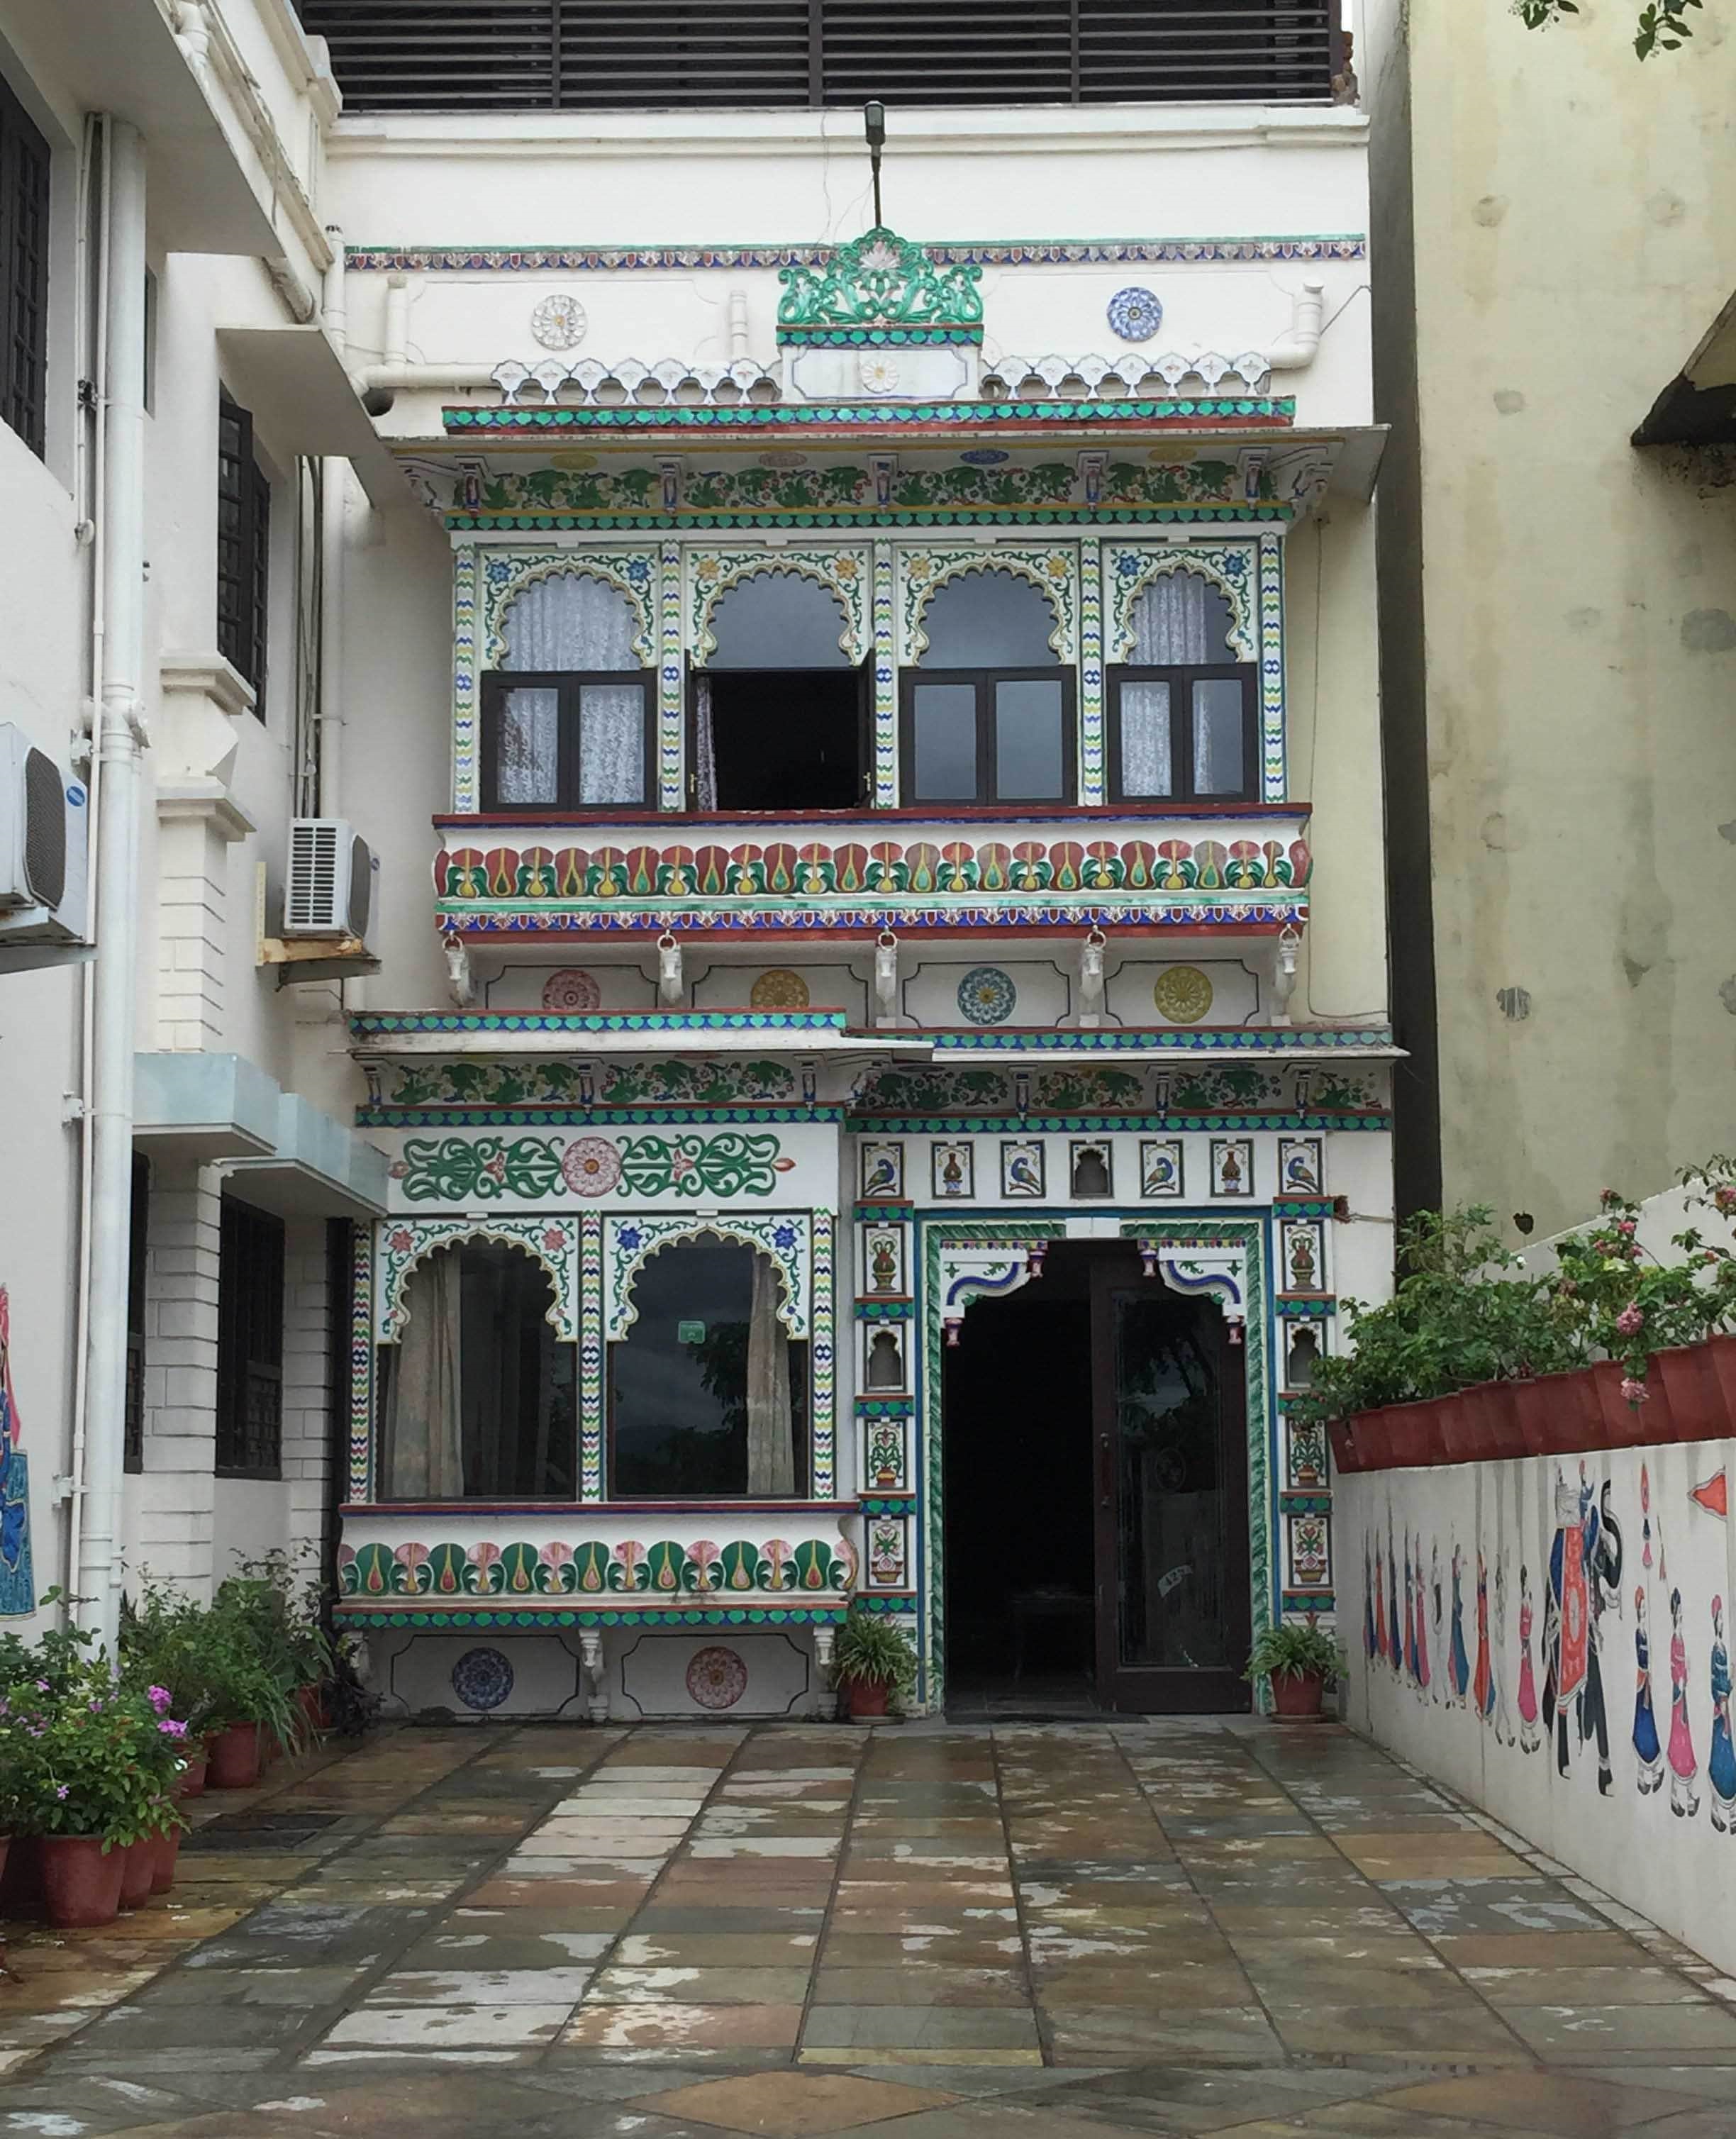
(572, 988)
(558, 322)
(590, 1166)
(717, 1678)
(1182, 995)
(780, 989)
(482, 1678)
(1135, 314)
(984, 457)
(877, 374)
(986, 995)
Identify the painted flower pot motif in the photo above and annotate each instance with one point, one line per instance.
(1696, 1407)
(81, 1881)
(868, 1699)
(234, 1754)
(1297, 1697)
(138, 1869)
(165, 1849)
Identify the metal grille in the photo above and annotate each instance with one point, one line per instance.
(243, 549)
(250, 1344)
(44, 829)
(139, 1233)
(23, 273)
(603, 55)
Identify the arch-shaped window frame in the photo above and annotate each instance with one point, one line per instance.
(1182, 683)
(569, 687)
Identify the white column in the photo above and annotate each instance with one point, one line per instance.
(118, 749)
(308, 1339)
(174, 1527)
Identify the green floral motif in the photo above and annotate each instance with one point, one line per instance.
(879, 280)
(692, 1083)
(1202, 1091)
(595, 1568)
(1081, 1091)
(537, 1084)
(461, 1169)
(733, 1163)
(928, 1091)
(1333, 1091)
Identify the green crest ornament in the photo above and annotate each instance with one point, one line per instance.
(881, 288)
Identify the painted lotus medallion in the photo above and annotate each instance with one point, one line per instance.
(780, 989)
(717, 1678)
(482, 1678)
(1135, 314)
(590, 1166)
(572, 988)
(986, 995)
(1183, 995)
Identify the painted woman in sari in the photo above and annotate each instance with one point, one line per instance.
(1531, 1735)
(1683, 1797)
(1370, 1648)
(1443, 1688)
(1459, 1668)
(1647, 1750)
(1422, 1625)
(1505, 1734)
(1721, 1759)
(1483, 1685)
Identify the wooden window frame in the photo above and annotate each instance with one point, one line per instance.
(244, 595)
(250, 1308)
(26, 198)
(567, 682)
(985, 681)
(1181, 681)
(863, 673)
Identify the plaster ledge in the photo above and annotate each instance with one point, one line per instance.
(211, 674)
(189, 801)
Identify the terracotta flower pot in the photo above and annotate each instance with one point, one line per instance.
(1297, 1696)
(1626, 1425)
(1531, 1405)
(1347, 1457)
(234, 1757)
(1413, 1434)
(1721, 1358)
(1373, 1432)
(1696, 1407)
(81, 1880)
(1501, 1422)
(192, 1783)
(1573, 1414)
(310, 1699)
(6, 1843)
(1460, 1439)
(21, 1882)
(138, 1872)
(165, 1848)
(867, 1698)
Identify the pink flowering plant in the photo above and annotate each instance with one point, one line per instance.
(82, 1754)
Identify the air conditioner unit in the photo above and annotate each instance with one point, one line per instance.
(45, 832)
(329, 886)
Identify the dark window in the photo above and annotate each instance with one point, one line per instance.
(988, 710)
(140, 1235)
(604, 55)
(1182, 716)
(250, 1344)
(243, 549)
(780, 711)
(23, 273)
(477, 1394)
(566, 717)
(708, 1392)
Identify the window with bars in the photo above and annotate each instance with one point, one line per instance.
(603, 55)
(243, 549)
(134, 1454)
(23, 273)
(250, 1344)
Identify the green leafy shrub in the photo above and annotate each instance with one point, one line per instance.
(872, 1651)
(1295, 1650)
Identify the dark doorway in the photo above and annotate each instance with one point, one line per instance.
(786, 739)
(1096, 1502)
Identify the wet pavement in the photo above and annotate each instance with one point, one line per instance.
(1059, 1931)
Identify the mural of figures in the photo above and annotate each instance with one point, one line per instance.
(1482, 1682)
(1683, 1797)
(1503, 1714)
(1459, 1667)
(1583, 1561)
(1395, 1632)
(1530, 1735)
(1442, 1684)
(1648, 1748)
(1409, 1613)
(17, 1582)
(1380, 1606)
(1603, 1561)
(1422, 1626)
(1721, 1755)
(1371, 1646)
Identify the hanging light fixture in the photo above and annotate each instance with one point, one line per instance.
(874, 125)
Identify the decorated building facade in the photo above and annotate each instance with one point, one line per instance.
(871, 1013)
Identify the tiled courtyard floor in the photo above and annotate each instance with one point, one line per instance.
(936, 1932)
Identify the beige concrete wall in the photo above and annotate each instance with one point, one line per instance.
(1572, 243)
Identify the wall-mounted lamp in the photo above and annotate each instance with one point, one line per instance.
(874, 125)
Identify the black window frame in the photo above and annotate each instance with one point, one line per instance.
(861, 672)
(26, 197)
(568, 682)
(138, 1240)
(985, 681)
(244, 577)
(250, 1308)
(1182, 680)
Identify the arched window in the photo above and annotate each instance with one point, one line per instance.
(707, 1390)
(476, 1395)
(780, 710)
(988, 708)
(1182, 710)
(566, 715)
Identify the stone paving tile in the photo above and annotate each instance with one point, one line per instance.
(1166, 1928)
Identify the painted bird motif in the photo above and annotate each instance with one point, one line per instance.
(1299, 1172)
(882, 1175)
(1022, 1174)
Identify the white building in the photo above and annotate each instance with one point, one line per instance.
(865, 732)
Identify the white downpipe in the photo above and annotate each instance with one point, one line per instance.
(334, 474)
(93, 463)
(1291, 351)
(118, 753)
(397, 351)
(424, 378)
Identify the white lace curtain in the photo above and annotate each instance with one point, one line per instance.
(1180, 621)
(572, 621)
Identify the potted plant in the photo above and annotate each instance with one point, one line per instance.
(1299, 1661)
(873, 1663)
